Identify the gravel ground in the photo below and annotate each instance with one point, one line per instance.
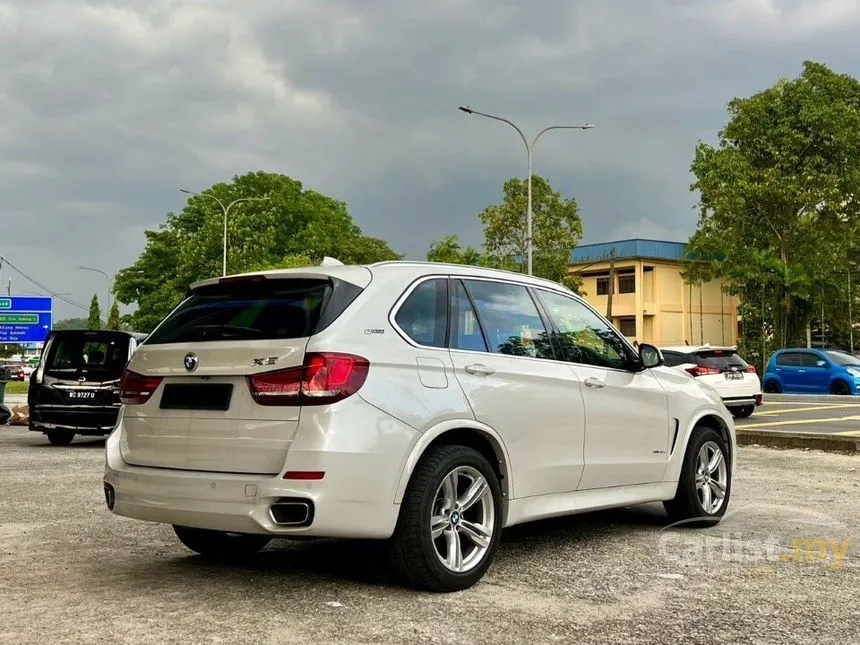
(72, 572)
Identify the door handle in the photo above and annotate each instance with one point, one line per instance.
(594, 382)
(480, 370)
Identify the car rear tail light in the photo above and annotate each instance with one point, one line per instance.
(136, 389)
(702, 371)
(323, 379)
(751, 369)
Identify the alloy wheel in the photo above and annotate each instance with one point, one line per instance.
(711, 477)
(463, 519)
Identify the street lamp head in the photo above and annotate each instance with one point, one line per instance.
(467, 110)
(186, 191)
(589, 126)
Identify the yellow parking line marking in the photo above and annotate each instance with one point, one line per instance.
(810, 408)
(850, 433)
(797, 422)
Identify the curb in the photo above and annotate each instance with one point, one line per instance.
(799, 441)
(811, 398)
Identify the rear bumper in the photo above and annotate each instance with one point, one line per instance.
(742, 401)
(354, 499)
(80, 420)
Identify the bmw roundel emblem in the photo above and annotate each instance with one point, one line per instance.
(191, 362)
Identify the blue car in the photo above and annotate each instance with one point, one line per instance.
(812, 371)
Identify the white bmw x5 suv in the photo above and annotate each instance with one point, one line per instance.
(424, 404)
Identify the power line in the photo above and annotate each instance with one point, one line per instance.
(5, 261)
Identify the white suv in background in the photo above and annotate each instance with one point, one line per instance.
(424, 404)
(724, 370)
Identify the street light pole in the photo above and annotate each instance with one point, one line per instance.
(529, 150)
(110, 287)
(226, 210)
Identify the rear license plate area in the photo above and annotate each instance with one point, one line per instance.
(734, 376)
(207, 396)
(82, 396)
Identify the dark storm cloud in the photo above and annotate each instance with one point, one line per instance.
(107, 108)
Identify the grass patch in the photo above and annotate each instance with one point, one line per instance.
(17, 387)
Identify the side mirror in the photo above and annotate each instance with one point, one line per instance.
(821, 363)
(650, 356)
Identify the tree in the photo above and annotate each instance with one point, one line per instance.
(70, 323)
(779, 203)
(556, 226)
(114, 320)
(292, 227)
(94, 321)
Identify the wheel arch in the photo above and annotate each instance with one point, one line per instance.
(466, 433)
(839, 379)
(705, 418)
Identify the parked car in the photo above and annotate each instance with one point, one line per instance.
(813, 371)
(723, 369)
(423, 404)
(75, 389)
(17, 373)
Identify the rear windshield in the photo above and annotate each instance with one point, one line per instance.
(720, 359)
(92, 355)
(265, 310)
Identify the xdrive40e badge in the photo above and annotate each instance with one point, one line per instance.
(191, 362)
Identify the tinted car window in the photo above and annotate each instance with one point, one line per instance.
(673, 359)
(720, 359)
(510, 319)
(264, 310)
(423, 316)
(807, 359)
(467, 330)
(584, 337)
(788, 359)
(93, 355)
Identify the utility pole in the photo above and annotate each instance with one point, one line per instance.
(530, 146)
(611, 283)
(701, 313)
(850, 316)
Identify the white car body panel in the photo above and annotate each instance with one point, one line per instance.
(562, 447)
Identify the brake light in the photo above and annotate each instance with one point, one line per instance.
(324, 378)
(751, 369)
(136, 389)
(702, 371)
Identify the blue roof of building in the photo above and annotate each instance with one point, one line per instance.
(629, 249)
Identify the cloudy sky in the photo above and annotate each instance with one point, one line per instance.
(108, 107)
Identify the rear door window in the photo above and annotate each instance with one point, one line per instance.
(788, 359)
(252, 310)
(510, 319)
(95, 356)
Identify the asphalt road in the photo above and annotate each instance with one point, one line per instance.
(817, 417)
(72, 572)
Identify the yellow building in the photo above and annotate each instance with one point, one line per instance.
(651, 301)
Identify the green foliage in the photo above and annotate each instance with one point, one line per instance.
(556, 226)
(291, 227)
(70, 323)
(114, 322)
(94, 321)
(778, 203)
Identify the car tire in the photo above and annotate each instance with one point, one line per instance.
(744, 412)
(687, 507)
(220, 545)
(840, 388)
(60, 438)
(445, 474)
(772, 387)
